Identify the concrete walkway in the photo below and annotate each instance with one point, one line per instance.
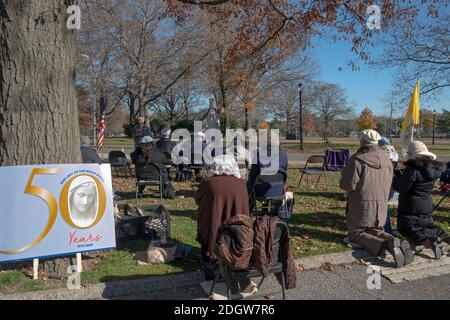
(333, 276)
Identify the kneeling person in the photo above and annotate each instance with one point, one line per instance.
(367, 180)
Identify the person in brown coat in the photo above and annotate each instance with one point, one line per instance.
(367, 179)
(219, 197)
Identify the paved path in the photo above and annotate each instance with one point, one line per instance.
(345, 279)
(296, 158)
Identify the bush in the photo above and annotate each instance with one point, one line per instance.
(128, 129)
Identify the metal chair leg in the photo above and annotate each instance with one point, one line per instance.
(300, 181)
(283, 286)
(216, 279)
(228, 282)
(318, 180)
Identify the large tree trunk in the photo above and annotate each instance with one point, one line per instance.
(38, 107)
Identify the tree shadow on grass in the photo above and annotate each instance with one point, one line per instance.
(330, 195)
(186, 193)
(319, 219)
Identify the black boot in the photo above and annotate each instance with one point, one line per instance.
(394, 248)
(407, 252)
(436, 250)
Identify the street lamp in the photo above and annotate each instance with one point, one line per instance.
(95, 96)
(301, 114)
(434, 121)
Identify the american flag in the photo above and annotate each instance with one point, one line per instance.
(101, 134)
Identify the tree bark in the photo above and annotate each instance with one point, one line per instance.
(38, 106)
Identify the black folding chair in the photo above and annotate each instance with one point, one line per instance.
(276, 268)
(118, 160)
(268, 203)
(145, 176)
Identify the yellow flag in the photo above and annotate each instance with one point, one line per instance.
(411, 120)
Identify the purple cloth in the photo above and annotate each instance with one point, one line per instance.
(336, 159)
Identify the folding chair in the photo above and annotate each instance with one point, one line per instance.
(145, 177)
(117, 160)
(275, 268)
(264, 183)
(445, 189)
(315, 165)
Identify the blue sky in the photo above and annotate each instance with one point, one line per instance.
(366, 87)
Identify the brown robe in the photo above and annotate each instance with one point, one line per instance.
(367, 178)
(218, 198)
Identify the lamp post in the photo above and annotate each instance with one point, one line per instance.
(95, 97)
(434, 121)
(301, 114)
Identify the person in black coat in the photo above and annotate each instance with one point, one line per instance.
(88, 154)
(145, 153)
(415, 184)
(165, 145)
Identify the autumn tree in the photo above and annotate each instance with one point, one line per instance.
(309, 125)
(329, 102)
(366, 120)
(417, 45)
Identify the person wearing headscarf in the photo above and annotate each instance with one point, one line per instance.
(367, 179)
(145, 153)
(220, 196)
(415, 184)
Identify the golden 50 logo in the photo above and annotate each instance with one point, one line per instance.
(82, 203)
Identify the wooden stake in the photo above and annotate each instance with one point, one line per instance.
(35, 269)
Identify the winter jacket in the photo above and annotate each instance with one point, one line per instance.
(415, 208)
(415, 184)
(165, 145)
(89, 155)
(270, 247)
(235, 243)
(138, 159)
(140, 131)
(367, 179)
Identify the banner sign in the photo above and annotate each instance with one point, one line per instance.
(49, 210)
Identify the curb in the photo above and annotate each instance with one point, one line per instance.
(147, 285)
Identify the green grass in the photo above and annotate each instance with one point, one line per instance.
(16, 281)
(317, 227)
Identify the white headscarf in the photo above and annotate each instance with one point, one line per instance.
(224, 165)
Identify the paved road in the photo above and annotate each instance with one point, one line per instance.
(295, 158)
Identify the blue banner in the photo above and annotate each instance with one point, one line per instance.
(49, 210)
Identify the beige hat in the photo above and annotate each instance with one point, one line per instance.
(370, 136)
(417, 149)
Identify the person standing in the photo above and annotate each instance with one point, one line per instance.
(367, 179)
(140, 130)
(415, 184)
